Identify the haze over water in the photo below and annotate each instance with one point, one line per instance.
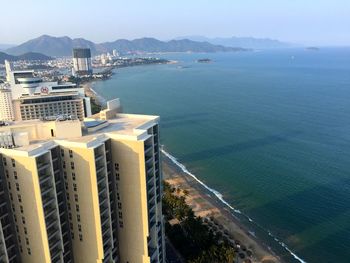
(269, 130)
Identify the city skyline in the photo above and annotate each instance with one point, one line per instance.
(310, 23)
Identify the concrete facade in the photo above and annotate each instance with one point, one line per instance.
(90, 192)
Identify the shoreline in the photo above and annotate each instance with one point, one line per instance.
(202, 195)
(207, 205)
(90, 92)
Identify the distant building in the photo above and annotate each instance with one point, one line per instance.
(115, 53)
(104, 59)
(83, 192)
(27, 97)
(82, 62)
(6, 106)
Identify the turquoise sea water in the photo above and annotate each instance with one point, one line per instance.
(269, 130)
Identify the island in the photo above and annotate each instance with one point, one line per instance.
(313, 48)
(204, 60)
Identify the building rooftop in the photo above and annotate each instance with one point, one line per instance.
(32, 137)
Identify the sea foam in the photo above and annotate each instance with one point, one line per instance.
(220, 197)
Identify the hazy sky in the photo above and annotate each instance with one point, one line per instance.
(313, 22)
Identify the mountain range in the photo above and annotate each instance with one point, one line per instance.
(62, 46)
(244, 42)
(25, 56)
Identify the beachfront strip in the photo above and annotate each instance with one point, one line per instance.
(74, 191)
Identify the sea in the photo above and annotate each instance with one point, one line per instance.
(267, 132)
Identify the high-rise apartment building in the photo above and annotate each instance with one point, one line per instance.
(82, 62)
(6, 106)
(27, 97)
(83, 191)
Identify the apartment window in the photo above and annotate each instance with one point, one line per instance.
(117, 176)
(25, 231)
(116, 166)
(72, 165)
(71, 226)
(68, 206)
(11, 196)
(15, 217)
(79, 227)
(77, 207)
(23, 220)
(15, 174)
(72, 234)
(9, 185)
(29, 252)
(118, 196)
(80, 237)
(66, 185)
(64, 165)
(121, 225)
(119, 205)
(73, 176)
(75, 187)
(120, 215)
(19, 198)
(76, 198)
(21, 208)
(70, 216)
(78, 217)
(17, 186)
(13, 162)
(65, 175)
(70, 153)
(4, 160)
(27, 241)
(7, 174)
(21, 248)
(62, 152)
(68, 196)
(17, 229)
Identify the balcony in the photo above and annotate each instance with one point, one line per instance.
(44, 179)
(42, 166)
(148, 149)
(152, 252)
(48, 204)
(150, 183)
(99, 168)
(98, 157)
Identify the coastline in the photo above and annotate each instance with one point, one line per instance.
(207, 205)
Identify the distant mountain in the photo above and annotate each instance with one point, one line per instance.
(5, 46)
(62, 46)
(244, 42)
(26, 56)
(51, 46)
(154, 45)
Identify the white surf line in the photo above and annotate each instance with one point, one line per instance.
(220, 197)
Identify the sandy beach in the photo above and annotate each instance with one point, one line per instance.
(206, 205)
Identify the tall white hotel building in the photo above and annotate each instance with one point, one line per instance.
(26, 97)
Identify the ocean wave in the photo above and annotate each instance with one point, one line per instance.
(220, 197)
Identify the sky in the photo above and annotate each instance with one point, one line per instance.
(310, 22)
